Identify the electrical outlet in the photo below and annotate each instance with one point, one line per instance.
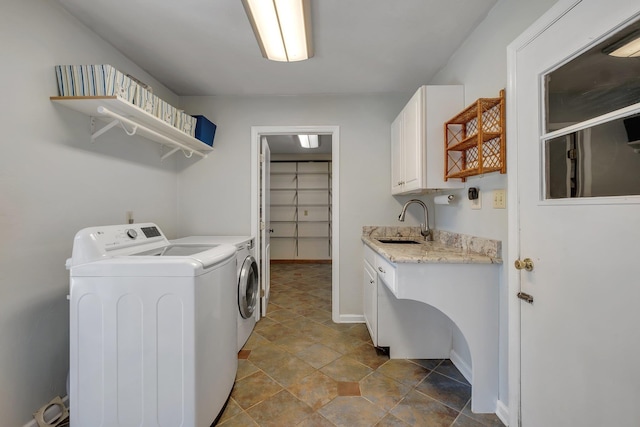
(306, 212)
(477, 203)
(499, 199)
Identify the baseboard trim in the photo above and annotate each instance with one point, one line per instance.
(462, 366)
(502, 412)
(351, 318)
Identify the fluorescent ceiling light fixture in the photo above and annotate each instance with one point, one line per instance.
(308, 141)
(628, 47)
(282, 28)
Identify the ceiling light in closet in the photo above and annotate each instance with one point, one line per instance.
(628, 47)
(282, 28)
(308, 141)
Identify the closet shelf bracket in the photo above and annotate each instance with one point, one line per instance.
(95, 134)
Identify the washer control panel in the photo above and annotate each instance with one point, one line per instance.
(96, 242)
(124, 236)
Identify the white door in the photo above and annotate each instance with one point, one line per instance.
(580, 337)
(265, 233)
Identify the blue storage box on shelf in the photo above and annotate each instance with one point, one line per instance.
(205, 130)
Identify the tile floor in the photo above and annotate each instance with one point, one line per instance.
(299, 368)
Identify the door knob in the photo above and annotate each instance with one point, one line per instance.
(525, 264)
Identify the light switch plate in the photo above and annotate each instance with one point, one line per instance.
(499, 199)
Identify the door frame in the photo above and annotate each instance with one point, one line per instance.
(256, 133)
(557, 11)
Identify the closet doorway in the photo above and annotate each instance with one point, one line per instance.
(300, 199)
(299, 217)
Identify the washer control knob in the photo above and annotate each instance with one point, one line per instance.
(132, 233)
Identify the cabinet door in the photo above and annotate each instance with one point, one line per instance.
(370, 301)
(413, 142)
(396, 156)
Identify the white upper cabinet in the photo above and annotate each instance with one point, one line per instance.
(397, 172)
(417, 140)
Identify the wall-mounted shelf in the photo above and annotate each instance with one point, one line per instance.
(133, 120)
(474, 140)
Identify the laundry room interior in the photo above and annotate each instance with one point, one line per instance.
(309, 222)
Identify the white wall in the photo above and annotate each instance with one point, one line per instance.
(54, 181)
(480, 64)
(214, 194)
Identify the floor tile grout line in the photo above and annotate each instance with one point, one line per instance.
(452, 378)
(439, 401)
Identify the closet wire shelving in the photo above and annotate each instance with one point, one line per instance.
(297, 219)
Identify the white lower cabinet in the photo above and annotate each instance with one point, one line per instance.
(370, 300)
(409, 328)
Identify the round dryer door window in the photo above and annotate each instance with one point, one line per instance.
(248, 285)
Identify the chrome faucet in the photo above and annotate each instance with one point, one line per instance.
(424, 228)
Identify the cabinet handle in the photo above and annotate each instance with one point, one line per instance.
(381, 270)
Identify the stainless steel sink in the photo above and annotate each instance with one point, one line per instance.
(399, 242)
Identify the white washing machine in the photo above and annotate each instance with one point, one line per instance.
(248, 283)
(152, 328)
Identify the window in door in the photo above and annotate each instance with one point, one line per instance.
(591, 116)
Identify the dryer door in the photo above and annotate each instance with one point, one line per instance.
(248, 285)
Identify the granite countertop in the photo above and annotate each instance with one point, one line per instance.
(446, 247)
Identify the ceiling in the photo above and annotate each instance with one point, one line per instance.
(207, 47)
(288, 144)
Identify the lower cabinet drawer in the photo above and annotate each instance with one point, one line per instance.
(387, 272)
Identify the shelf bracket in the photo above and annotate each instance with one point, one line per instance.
(135, 126)
(169, 153)
(133, 130)
(187, 153)
(98, 133)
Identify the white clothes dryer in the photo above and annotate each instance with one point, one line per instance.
(248, 279)
(152, 328)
